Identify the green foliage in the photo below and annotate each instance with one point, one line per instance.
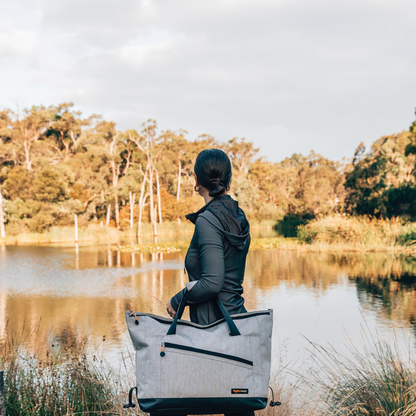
(411, 146)
(48, 186)
(382, 182)
(290, 223)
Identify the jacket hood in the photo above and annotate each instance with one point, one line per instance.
(224, 213)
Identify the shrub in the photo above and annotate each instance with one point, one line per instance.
(357, 230)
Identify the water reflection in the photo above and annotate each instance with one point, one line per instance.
(86, 290)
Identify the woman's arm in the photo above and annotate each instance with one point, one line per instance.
(211, 254)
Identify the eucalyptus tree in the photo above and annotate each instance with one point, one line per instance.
(28, 129)
(174, 152)
(150, 145)
(241, 153)
(114, 144)
(69, 129)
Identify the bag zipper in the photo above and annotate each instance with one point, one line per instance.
(206, 352)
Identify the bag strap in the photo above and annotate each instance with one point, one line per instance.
(179, 312)
(233, 328)
(130, 403)
(172, 330)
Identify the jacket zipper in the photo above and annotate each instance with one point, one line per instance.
(206, 352)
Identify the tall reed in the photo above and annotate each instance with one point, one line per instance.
(56, 378)
(377, 380)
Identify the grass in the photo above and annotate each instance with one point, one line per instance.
(57, 377)
(376, 379)
(337, 232)
(379, 380)
(327, 234)
(96, 232)
(66, 376)
(174, 246)
(93, 232)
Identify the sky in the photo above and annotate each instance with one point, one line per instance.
(288, 75)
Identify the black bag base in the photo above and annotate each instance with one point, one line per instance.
(202, 405)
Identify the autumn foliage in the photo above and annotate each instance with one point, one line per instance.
(55, 163)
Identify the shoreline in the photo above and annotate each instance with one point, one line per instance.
(273, 243)
(94, 232)
(262, 243)
(330, 234)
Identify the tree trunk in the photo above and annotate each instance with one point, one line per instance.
(76, 228)
(2, 230)
(142, 200)
(27, 155)
(155, 223)
(94, 211)
(117, 209)
(139, 225)
(152, 214)
(178, 194)
(159, 201)
(132, 197)
(108, 214)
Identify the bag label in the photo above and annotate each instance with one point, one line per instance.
(239, 391)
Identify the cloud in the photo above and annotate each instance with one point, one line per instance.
(17, 43)
(288, 75)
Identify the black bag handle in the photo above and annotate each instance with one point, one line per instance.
(233, 328)
(172, 330)
(179, 312)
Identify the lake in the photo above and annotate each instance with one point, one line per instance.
(320, 297)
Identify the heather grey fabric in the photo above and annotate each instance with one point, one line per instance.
(188, 374)
(216, 260)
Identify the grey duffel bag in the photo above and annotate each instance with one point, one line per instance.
(186, 368)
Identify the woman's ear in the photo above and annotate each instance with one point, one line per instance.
(196, 179)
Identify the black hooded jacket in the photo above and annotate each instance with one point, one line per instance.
(216, 260)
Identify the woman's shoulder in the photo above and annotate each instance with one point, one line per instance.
(208, 223)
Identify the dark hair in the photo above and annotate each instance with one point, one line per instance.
(213, 170)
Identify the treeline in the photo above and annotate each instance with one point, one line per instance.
(55, 163)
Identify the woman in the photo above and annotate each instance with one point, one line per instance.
(217, 254)
(216, 258)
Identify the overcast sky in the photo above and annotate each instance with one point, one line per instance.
(289, 75)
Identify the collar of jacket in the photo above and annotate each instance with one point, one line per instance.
(193, 216)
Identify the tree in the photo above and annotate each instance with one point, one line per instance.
(2, 229)
(381, 181)
(28, 130)
(151, 147)
(117, 155)
(68, 129)
(241, 153)
(411, 146)
(175, 146)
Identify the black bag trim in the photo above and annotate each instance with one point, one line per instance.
(207, 352)
(202, 405)
(168, 321)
